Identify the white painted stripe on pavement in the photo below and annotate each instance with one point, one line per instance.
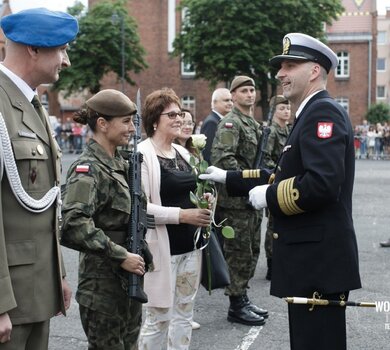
(249, 338)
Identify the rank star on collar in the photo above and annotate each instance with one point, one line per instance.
(324, 130)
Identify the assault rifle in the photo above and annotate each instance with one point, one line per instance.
(139, 220)
(258, 163)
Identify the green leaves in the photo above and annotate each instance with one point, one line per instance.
(228, 232)
(97, 49)
(223, 38)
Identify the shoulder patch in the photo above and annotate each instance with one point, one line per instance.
(228, 125)
(82, 168)
(324, 130)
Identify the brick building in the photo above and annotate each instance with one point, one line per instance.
(353, 38)
(383, 59)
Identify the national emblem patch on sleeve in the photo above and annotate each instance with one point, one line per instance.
(324, 130)
(82, 168)
(228, 125)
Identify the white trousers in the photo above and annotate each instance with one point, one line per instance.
(170, 328)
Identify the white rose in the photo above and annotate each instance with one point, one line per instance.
(199, 141)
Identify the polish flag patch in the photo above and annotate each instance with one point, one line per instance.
(82, 168)
(228, 125)
(324, 130)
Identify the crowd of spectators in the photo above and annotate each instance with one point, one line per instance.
(70, 136)
(372, 141)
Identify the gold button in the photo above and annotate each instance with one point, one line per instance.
(40, 149)
(275, 235)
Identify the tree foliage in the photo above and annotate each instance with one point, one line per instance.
(223, 38)
(97, 49)
(378, 113)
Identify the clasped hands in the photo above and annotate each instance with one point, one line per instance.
(257, 195)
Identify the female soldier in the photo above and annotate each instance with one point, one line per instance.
(96, 209)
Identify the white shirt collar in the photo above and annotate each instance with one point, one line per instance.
(218, 114)
(19, 82)
(304, 102)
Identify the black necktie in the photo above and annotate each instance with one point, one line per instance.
(39, 109)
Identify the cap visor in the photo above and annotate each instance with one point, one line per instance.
(277, 60)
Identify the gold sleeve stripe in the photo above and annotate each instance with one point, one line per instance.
(287, 196)
(251, 174)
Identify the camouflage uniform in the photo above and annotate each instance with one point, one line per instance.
(96, 210)
(235, 146)
(274, 147)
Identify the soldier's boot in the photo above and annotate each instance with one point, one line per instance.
(239, 312)
(254, 308)
(268, 276)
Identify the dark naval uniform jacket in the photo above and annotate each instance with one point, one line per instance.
(314, 245)
(30, 259)
(209, 128)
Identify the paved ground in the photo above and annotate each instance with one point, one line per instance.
(367, 329)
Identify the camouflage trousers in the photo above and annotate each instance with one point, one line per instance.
(268, 237)
(119, 331)
(242, 252)
(170, 328)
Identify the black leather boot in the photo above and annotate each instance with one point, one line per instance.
(239, 312)
(268, 276)
(261, 312)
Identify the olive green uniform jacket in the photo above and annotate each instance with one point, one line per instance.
(30, 258)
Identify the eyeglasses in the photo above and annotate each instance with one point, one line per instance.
(173, 115)
(188, 124)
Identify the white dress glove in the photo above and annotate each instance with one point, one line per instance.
(214, 174)
(257, 197)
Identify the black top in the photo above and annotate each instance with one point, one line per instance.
(177, 180)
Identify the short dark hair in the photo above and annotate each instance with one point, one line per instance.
(155, 104)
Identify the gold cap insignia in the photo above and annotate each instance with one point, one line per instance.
(286, 45)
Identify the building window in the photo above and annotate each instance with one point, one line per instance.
(188, 102)
(342, 70)
(381, 64)
(344, 102)
(171, 24)
(187, 68)
(381, 38)
(380, 91)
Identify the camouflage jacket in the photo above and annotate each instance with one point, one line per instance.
(96, 204)
(274, 147)
(234, 148)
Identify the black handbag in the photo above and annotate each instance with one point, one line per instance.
(215, 272)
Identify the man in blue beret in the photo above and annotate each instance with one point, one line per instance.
(32, 279)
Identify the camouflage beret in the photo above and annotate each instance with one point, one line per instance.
(111, 103)
(241, 80)
(278, 99)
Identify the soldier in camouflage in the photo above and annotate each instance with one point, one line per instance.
(279, 131)
(96, 210)
(234, 147)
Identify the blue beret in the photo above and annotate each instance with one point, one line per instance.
(40, 27)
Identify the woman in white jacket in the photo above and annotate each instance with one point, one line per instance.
(167, 179)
